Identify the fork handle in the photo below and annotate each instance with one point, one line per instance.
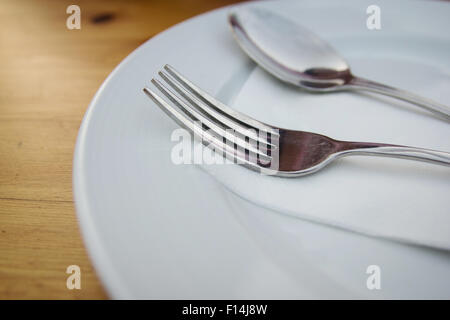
(395, 151)
(372, 86)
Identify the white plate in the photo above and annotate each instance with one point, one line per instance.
(158, 230)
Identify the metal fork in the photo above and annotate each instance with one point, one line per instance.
(259, 146)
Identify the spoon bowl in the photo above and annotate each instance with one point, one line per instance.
(289, 51)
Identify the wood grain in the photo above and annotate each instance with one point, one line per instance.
(48, 76)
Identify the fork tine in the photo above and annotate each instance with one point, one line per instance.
(217, 105)
(216, 116)
(174, 114)
(192, 113)
(208, 139)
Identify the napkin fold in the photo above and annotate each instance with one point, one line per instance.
(397, 199)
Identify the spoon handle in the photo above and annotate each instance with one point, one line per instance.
(372, 86)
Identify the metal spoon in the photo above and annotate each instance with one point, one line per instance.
(297, 56)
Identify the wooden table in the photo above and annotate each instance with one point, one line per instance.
(48, 76)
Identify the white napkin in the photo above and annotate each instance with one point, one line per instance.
(397, 199)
